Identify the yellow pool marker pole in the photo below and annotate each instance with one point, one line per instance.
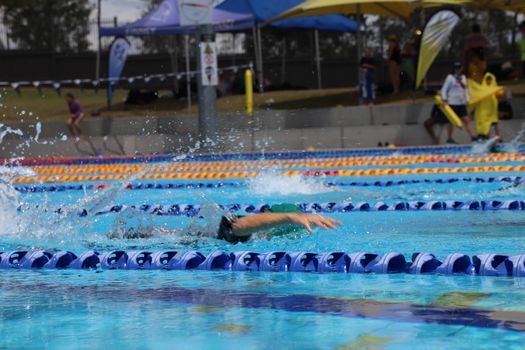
(248, 81)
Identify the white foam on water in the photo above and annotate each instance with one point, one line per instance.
(272, 183)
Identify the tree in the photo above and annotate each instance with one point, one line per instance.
(57, 25)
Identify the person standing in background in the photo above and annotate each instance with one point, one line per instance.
(522, 47)
(438, 118)
(474, 52)
(455, 93)
(368, 69)
(76, 114)
(477, 67)
(394, 63)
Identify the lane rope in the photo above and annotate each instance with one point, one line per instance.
(276, 261)
(515, 180)
(252, 174)
(231, 166)
(154, 158)
(192, 210)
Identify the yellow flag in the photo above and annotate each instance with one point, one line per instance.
(435, 36)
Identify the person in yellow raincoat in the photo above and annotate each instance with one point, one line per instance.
(484, 101)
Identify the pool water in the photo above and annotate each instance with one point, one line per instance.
(255, 310)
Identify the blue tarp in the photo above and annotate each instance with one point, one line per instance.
(266, 9)
(165, 19)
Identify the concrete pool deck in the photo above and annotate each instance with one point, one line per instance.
(272, 130)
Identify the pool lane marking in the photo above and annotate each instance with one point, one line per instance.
(343, 307)
(352, 308)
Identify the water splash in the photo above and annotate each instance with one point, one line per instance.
(480, 147)
(514, 145)
(38, 131)
(9, 196)
(272, 183)
(8, 130)
(40, 225)
(8, 205)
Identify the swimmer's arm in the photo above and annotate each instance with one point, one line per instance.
(245, 226)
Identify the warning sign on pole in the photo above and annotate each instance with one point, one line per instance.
(195, 12)
(209, 70)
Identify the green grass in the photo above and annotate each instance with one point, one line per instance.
(29, 105)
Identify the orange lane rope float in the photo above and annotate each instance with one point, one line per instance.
(251, 174)
(215, 167)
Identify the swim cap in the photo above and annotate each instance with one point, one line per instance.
(284, 208)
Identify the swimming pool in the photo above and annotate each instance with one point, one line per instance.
(221, 309)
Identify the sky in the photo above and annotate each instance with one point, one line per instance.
(124, 10)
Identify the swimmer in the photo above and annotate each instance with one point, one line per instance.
(235, 229)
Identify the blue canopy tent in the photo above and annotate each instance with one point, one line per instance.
(263, 10)
(266, 9)
(232, 15)
(165, 20)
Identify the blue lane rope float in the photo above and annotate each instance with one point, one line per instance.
(210, 185)
(277, 261)
(192, 210)
(155, 158)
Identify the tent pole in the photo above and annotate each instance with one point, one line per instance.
(423, 23)
(256, 51)
(97, 66)
(261, 72)
(283, 60)
(318, 59)
(358, 44)
(188, 78)
(173, 51)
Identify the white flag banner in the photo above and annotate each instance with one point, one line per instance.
(195, 12)
(118, 53)
(209, 67)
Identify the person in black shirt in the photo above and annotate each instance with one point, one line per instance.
(368, 69)
(394, 63)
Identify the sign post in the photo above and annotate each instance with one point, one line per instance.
(198, 13)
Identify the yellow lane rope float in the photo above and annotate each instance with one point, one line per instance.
(232, 175)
